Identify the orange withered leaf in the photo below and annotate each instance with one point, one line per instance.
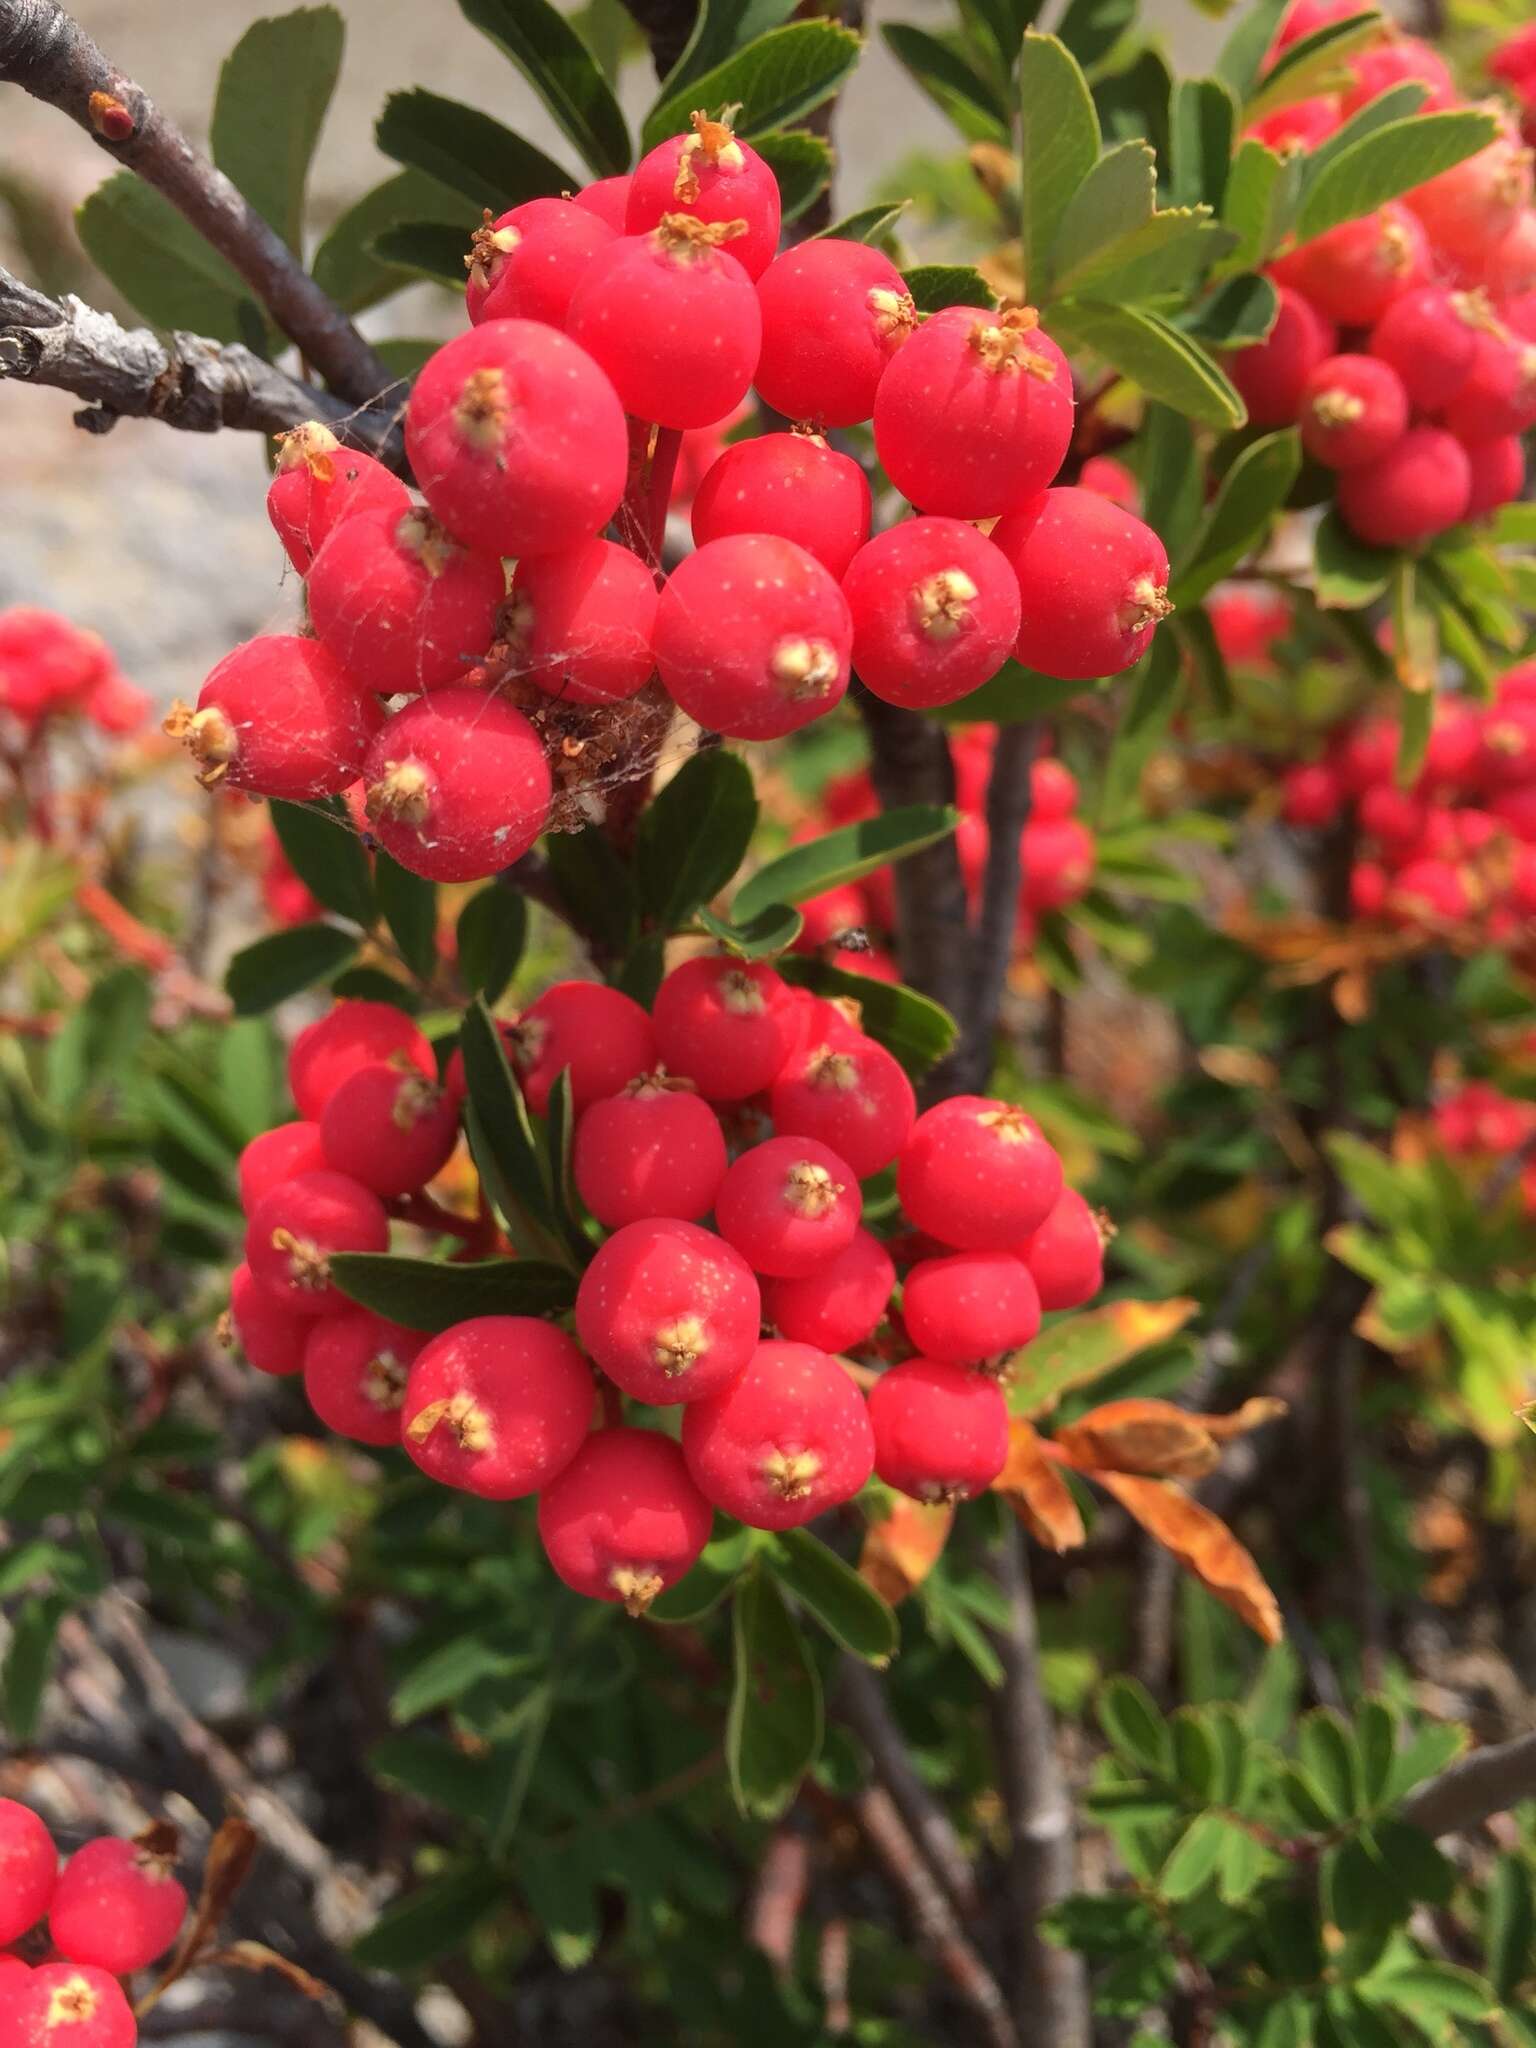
(903, 1548)
(1203, 1544)
(1037, 1493)
(1139, 1436)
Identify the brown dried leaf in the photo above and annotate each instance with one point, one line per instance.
(1253, 1414)
(255, 1955)
(900, 1551)
(1139, 1436)
(1037, 1493)
(229, 1859)
(1203, 1544)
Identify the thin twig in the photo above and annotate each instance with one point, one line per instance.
(1467, 1793)
(861, 1701)
(997, 925)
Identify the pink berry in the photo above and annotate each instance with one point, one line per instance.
(791, 485)
(517, 439)
(654, 1149)
(1416, 490)
(841, 1304)
(608, 198)
(1056, 859)
(786, 1441)
(1111, 480)
(525, 264)
(29, 1866)
(118, 1906)
(941, 1433)
(974, 416)
(672, 318)
(1368, 885)
(851, 1094)
(1354, 271)
(350, 1035)
(389, 1127)
(400, 604)
(669, 1311)
(1065, 1256)
(624, 1520)
(834, 315)
(1427, 336)
(278, 1155)
(279, 716)
(1498, 474)
(1271, 374)
(1311, 794)
(1499, 394)
(1396, 61)
(711, 176)
(318, 482)
(788, 1206)
(601, 1034)
(497, 1406)
(1469, 208)
(1302, 125)
(1094, 581)
(977, 1174)
(69, 2005)
(1428, 892)
(271, 1335)
(970, 1306)
(935, 612)
(1393, 816)
(580, 622)
(727, 1024)
(458, 785)
(753, 637)
(1052, 792)
(830, 915)
(296, 1227)
(1354, 408)
(1509, 268)
(355, 1370)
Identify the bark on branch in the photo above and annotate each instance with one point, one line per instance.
(1467, 1793)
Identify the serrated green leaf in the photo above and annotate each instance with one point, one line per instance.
(774, 1723)
(409, 908)
(434, 1294)
(324, 851)
(467, 151)
(1204, 124)
(346, 265)
(694, 836)
(1165, 364)
(162, 266)
(775, 81)
(1168, 254)
(844, 855)
(1312, 63)
(267, 973)
(1393, 105)
(720, 28)
(274, 88)
(1091, 28)
(490, 936)
(1389, 162)
(562, 71)
(1239, 312)
(1115, 199)
(954, 85)
(872, 224)
(1262, 196)
(1060, 146)
(801, 162)
(1251, 494)
(934, 286)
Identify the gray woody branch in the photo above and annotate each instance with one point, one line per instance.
(1467, 1793)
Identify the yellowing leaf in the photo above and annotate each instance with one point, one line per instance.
(1139, 1436)
(1082, 1349)
(1036, 1491)
(1203, 1544)
(902, 1549)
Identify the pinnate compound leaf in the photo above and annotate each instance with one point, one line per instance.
(1202, 1544)
(1135, 1728)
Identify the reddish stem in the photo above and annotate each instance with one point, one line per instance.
(669, 442)
(428, 1215)
(613, 1403)
(631, 518)
(135, 941)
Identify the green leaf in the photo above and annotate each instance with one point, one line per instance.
(1193, 1861)
(694, 836)
(1135, 1729)
(1249, 44)
(1388, 162)
(563, 72)
(468, 151)
(1012, 695)
(1166, 365)
(1422, 1875)
(506, 1150)
(910, 1025)
(1156, 682)
(1376, 1732)
(870, 224)
(162, 266)
(346, 266)
(936, 285)
(326, 854)
(848, 1608)
(1204, 123)
(1326, 1753)
(1195, 1761)
(1169, 253)
(955, 87)
(434, 1294)
(1252, 492)
(1312, 63)
(274, 88)
(267, 973)
(373, 985)
(1240, 311)
(1426, 1990)
(1348, 574)
(1136, 104)
(1091, 28)
(434, 1920)
(430, 1768)
(426, 248)
(1115, 199)
(774, 930)
(559, 1130)
(1060, 145)
(701, 1590)
(1172, 477)
(409, 906)
(845, 855)
(1393, 105)
(801, 162)
(564, 1897)
(1509, 1925)
(774, 1725)
(29, 1662)
(720, 28)
(779, 78)
(490, 936)
(595, 885)
(1262, 195)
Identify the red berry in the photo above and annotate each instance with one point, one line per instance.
(834, 314)
(1368, 885)
(1094, 581)
(1302, 125)
(655, 1149)
(1389, 814)
(277, 1155)
(977, 1174)
(624, 1520)
(497, 1406)
(608, 198)
(601, 1034)
(525, 264)
(935, 612)
(791, 485)
(941, 1433)
(1400, 60)
(1416, 490)
(580, 622)
(1056, 858)
(1270, 375)
(753, 637)
(1111, 480)
(788, 1206)
(1369, 754)
(849, 1093)
(1353, 272)
(1509, 268)
(970, 1306)
(1469, 208)
(669, 1311)
(279, 716)
(389, 1127)
(295, 1228)
(841, 1304)
(1065, 1256)
(1498, 474)
(1312, 795)
(400, 603)
(1052, 792)
(270, 1334)
(1306, 17)
(69, 2005)
(1498, 395)
(517, 439)
(1429, 892)
(672, 318)
(318, 482)
(974, 416)
(118, 1906)
(1428, 337)
(350, 1035)
(115, 705)
(727, 1024)
(711, 176)
(458, 785)
(29, 1866)
(786, 1441)
(1353, 409)
(355, 1369)
(829, 915)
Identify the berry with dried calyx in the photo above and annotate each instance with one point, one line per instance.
(786, 1441)
(970, 1306)
(1353, 409)
(941, 1433)
(352, 1034)
(791, 485)
(669, 1311)
(624, 1520)
(497, 1406)
(728, 1025)
(294, 1229)
(526, 263)
(400, 603)
(278, 1155)
(788, 1206)
(602, 1035)
(1271, 375)
(29, 1868)
(1429, 338)
(118, 1905)
(935, 612)
(841, 1304)
(1065, 1256)
(579, 623)
(1094, 582)
(270, 1334)
(389, 1127)
(977, 1174)
(834, 315)
(1422, 485)
(69, 2005)
(714, 177)
(458, 785)
(317, 482)
(1353, 272)
(849, 1093)
(1499, 394)
(654, 1149)
(279, 717)
(355, 1369)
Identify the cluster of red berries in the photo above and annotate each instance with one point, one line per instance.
(604, 327)
(50, 669)
(115, 1907)
(1457, 847)
(720, 1142)
(1405, 344)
